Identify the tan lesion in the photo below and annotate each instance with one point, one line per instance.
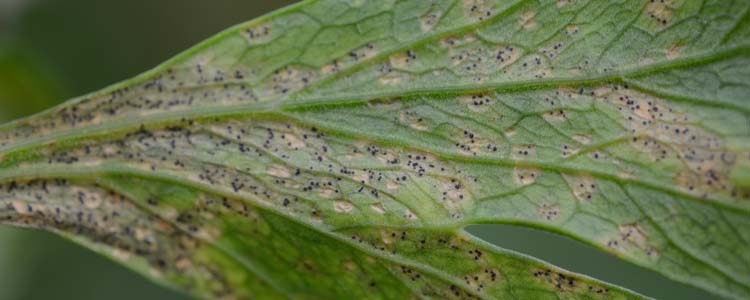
(526, 176)
(258, 34)
(632, 239)
(584, 186)
(479, 10)
(430, 20)
(661, 12)
(111, 224)
(697, 160)
(674, 51)
(561, 3)
(527, 20)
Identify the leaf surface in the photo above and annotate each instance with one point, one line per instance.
(336, 149)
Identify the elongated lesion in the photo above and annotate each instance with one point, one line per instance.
(115, 226)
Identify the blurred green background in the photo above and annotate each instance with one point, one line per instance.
(51, 50)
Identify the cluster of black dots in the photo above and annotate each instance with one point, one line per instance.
(479, 10)
(666, 133)
(257, 33)
(659, 11)
(480, 281)
(585, 190)
(525, 150)
(162, 151)
(481, 58)
(104, 217)
(172, 90)
(469, 143)
(551, 52)
(290, 79)
(413, 119)
(548, 211)
(480, 100)
(634, 237)
(567, 150)
(564, 282)
(505, 54)
(430, 20)
(413, 245)
(526, 176)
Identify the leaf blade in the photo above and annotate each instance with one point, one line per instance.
(461, 112)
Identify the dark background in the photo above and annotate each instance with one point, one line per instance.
(51, 50)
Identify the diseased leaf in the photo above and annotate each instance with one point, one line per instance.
(336, 149)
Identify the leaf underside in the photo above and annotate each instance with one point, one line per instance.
(336, 149)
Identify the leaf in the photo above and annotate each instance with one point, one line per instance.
(336, 149)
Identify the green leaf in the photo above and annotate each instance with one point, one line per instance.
(336, 149)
